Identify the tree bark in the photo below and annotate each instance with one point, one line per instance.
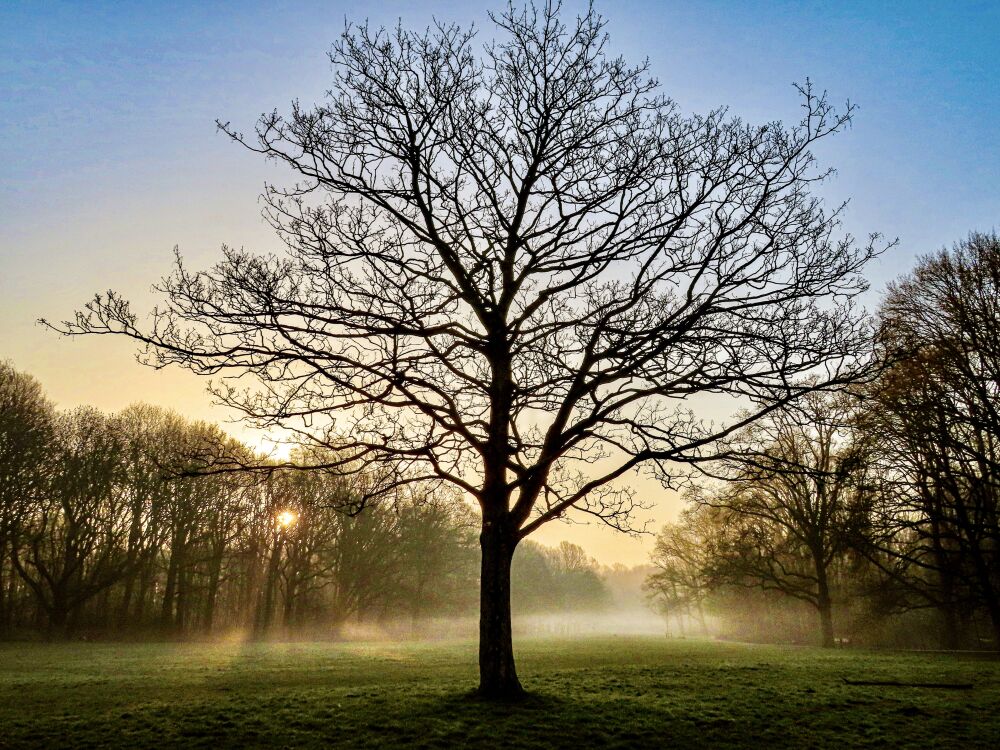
(170, 590)
(947, 602)
(122, 623)
(4, 609)
(497, 674)
(950, 634)
(208, 614)
(183, 591)
(140, 611)
(288, 605)
(824, 604)
(59, 620)
(265, 611)
(825, 607)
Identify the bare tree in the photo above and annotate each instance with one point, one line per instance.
(682, 559)
(102, 531)
(437, 536)
(797, 490)
(507, 269)
(911, 535)
(937, 417)
(26, 434)
(74, 538)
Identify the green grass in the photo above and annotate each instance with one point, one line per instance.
(595, 692)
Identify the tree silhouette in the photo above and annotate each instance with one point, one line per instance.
(26, 434)
(794, 497)
(936, 526)
(507, 269)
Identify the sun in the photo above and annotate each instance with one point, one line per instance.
(286, 518)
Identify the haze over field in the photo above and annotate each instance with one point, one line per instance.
(618, 693)
(509, 377)
(111, 155)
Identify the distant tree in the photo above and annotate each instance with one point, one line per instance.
(26, 434)
(108, 529)
(223, 520)
(936, 415)
(581, 582)
(278, 524)
(316, 502)
(556, 579)
(439, 560)
(507, 271)
(143, 479)
(188, 507)
(626, 583)
(533, 580)
(683, 558)
(794, 492)
(76, 532)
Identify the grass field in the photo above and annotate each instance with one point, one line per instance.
(594, 692)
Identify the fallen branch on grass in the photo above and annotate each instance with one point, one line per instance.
(896, 683)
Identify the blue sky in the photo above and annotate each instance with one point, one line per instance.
(110, 155)
(104, 100)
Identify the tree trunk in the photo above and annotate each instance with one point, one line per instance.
(59, 620)
(497, 675)
(122, 623)
(265, 610)
(208, 616)
(139, 614)
(823, 603)
(948, 601)
(825, 607)
(288, 609)
(701, 618)
(170, 590)
(950, 637)
(181, 616)
(4, 609)
(993, 607)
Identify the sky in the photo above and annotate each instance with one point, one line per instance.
(110, 156)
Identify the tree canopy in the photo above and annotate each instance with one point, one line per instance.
(508, 267)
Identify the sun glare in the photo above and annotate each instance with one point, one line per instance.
(286, 518)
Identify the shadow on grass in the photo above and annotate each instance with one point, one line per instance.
(591, 696)
(536, 720)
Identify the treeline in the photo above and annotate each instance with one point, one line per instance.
(107, 529)
(877, 509)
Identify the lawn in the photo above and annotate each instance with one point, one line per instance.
(591, 692)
